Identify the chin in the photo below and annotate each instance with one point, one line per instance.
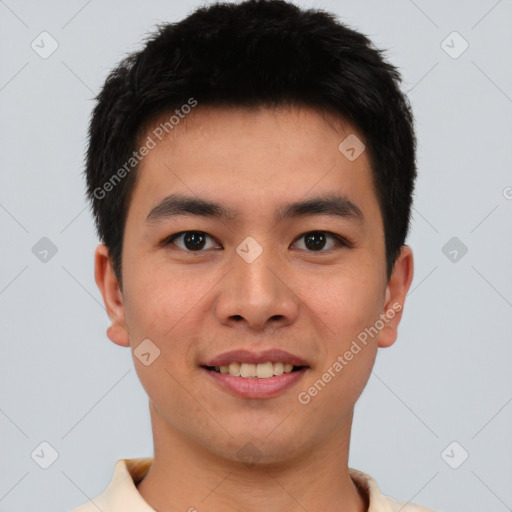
(257, 449)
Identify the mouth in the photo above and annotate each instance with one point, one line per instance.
(259, 371)
(256, 375)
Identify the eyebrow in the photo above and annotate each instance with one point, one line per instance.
(177, 205)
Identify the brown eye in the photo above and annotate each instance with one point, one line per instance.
(315, 241)
(191, 241)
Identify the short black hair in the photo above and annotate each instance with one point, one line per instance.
(256, 53)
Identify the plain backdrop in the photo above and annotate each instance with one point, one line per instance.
(432, 426)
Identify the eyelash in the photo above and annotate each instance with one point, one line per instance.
(341, 241)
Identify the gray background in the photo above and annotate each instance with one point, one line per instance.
(447, 378)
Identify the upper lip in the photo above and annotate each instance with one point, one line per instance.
(245, 356)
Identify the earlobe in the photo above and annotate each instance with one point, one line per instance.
(112, 297)
(396, 291)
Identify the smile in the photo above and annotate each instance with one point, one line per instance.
(251, 370)
(248, 374)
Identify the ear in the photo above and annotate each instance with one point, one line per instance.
(112, 296)
(396, 291)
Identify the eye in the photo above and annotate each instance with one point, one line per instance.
(315, 241)
(192, 241)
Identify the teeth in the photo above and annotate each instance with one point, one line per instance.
(247, 370)
(278, 368)
(232, 369)
(264, 371)
(261, 371)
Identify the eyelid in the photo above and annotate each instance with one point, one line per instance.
(341, 240)
(170, 239)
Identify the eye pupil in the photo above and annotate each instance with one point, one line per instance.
(317, 241)
(194, 240)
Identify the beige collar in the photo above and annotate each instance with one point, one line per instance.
(122, 495)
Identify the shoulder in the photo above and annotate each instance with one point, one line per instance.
(403, 506)
(121, 494)
(87, 507)
(379, 502)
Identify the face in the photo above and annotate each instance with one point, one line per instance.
(257, 273)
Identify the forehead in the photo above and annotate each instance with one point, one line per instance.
(249, 158)
(294, 123)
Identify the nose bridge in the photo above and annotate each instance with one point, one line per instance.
(256, 289)
(255, 280)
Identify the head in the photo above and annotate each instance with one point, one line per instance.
(251, 172)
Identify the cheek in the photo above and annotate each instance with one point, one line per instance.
(160, 307)
(348, 305)
(158, 301)
(347, 301)
(346, 357)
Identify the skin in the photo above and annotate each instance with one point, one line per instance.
(195, 306)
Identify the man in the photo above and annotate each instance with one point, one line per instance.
(251, 172)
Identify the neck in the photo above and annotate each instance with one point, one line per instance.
(186, 476)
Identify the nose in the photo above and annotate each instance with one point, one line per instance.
(259, 294)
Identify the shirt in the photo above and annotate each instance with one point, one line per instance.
(121, 495)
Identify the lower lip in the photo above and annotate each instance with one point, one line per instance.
(254, 387)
